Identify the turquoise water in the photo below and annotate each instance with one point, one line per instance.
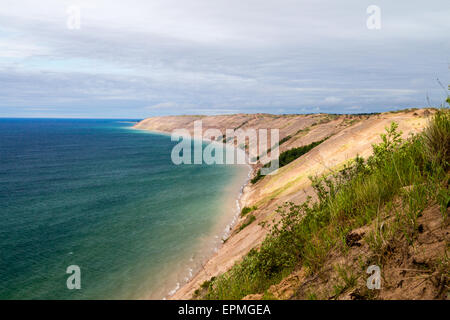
(97, 194)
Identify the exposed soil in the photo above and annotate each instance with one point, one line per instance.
(419, 270)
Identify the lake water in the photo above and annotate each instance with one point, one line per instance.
(107, 198)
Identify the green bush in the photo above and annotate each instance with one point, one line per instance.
(258, 177)
(292, 154)
(247, 221)
(246, 210)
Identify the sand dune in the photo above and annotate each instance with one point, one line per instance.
(349, 135)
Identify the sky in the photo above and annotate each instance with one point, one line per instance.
(138, 58)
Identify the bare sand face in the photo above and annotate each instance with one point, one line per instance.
(349, 136)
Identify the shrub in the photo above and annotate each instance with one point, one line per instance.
(292, 154)
(247, 221)
(246, 210)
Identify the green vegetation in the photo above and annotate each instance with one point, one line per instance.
(348, 281)
(207, 283)
(246, 210)
(304, 131)
(287, 157)
(279, 144)
(256, 178)
(402, 177)
(241, 125)
(203, 287)
(366, 114)
(406, 110)
(284, 140)
(247, 221)
(292, 154)
(437, 138)
(312, 296)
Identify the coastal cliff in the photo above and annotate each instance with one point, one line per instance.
(344, 138)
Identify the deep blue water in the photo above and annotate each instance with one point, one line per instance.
(97, 194)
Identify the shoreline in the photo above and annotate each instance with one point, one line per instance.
(224, 236)
(230, 226)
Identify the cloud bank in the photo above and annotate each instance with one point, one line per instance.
(139, 58)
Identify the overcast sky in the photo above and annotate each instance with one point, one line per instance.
(136, 58)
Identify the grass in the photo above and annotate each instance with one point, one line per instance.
(312, 296)
(401, 176)
(348, 280)
(436, 138)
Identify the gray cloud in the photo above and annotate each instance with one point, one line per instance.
(169, 57)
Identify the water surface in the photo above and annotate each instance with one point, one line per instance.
(97, 194)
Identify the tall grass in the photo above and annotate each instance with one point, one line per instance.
(414, 172)
(436, 138)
